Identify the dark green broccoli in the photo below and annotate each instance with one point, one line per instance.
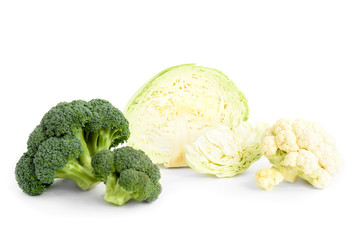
(63, 144)
(26, 177)
(128, 174)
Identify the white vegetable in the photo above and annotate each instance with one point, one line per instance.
(225, 152)
(300, 148)
(268, 178)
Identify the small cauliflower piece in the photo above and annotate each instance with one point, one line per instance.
(268, 178)
(298, 148)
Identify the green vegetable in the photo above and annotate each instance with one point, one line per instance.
(128, 174)
(177, 106)
(226, 152)
(64, 143)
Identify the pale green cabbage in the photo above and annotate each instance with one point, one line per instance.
(177, 106)
(226, 152)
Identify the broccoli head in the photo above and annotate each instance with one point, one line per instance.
(128, 174)
(63, 144)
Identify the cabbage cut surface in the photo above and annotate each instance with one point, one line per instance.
(177, 106)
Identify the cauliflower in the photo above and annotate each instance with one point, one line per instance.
(297, 148)
(268, 178)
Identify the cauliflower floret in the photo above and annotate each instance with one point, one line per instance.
(290, 159)
(300, 125)
(308, 139)
(303, 159)
(306, 150)
(286, 140)
(269, 146)
(327, 157)
(268, 178)
(282, 124)
(307, 162)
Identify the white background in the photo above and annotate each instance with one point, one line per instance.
(297, 59)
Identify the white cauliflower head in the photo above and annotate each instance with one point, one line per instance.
(300, 148)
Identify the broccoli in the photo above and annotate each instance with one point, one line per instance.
(128, 174)
(65, 141)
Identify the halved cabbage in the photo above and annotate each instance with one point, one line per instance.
(176, 106)
(226, 152)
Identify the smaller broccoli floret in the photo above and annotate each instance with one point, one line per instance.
(129, 158)
(103, 164)
(137, 185)
(128, 174)
(57, 158)
(108, 127)
(26, 177)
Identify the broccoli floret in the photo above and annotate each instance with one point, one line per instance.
(129, 158)
(58, 158)
(66, 118)
(69, 119)
(128, 174)
(108, 127)
(63, 144)
(26, 177)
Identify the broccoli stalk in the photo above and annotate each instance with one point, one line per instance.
(128, 174)
(82, 176)
(114, 192)
(100, 140)
(85, 157)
